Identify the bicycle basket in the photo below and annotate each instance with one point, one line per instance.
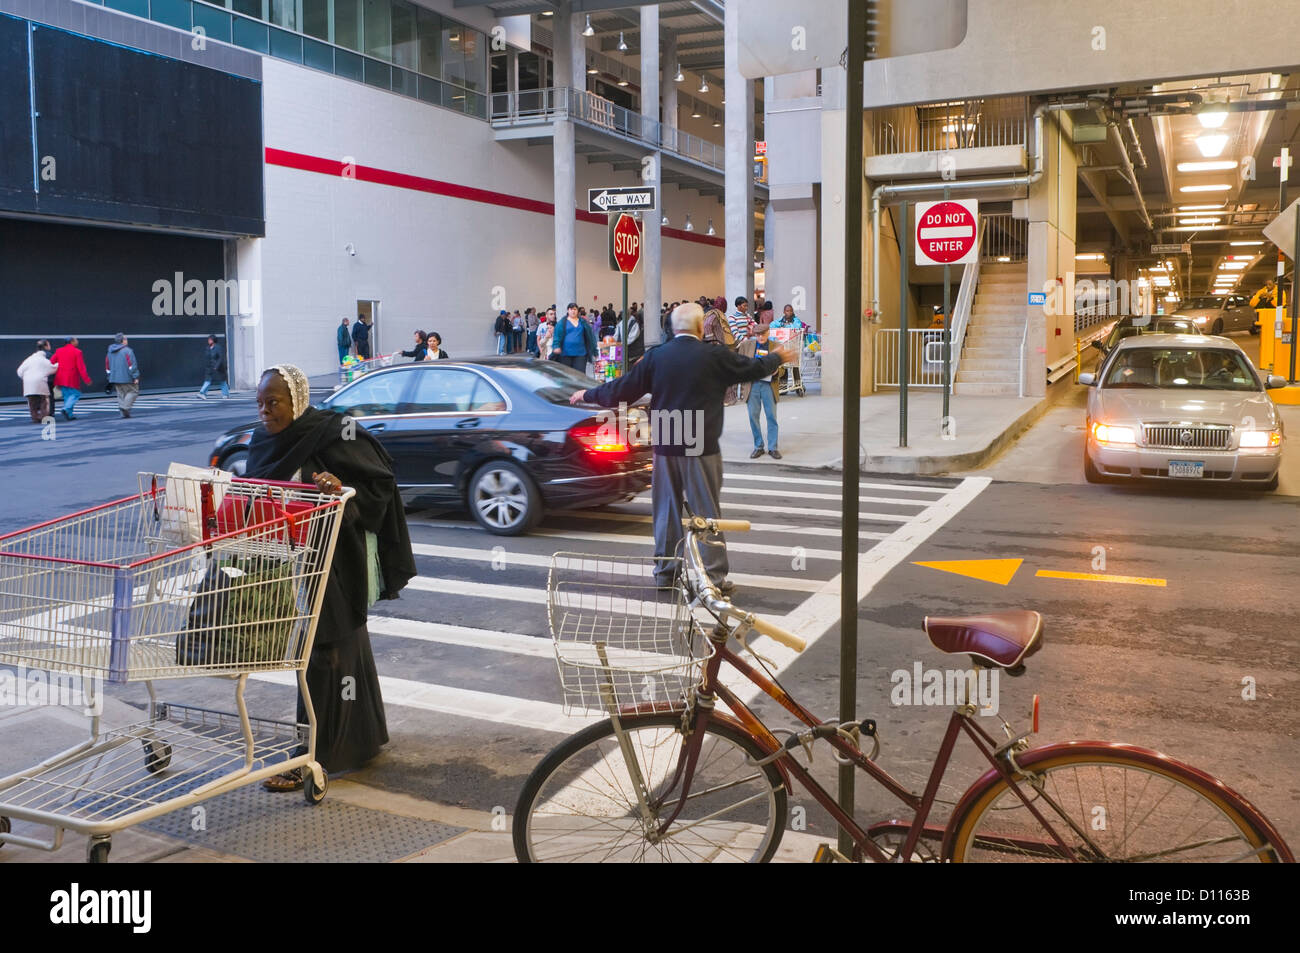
(619, 638)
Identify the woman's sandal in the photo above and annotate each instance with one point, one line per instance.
(288, 781)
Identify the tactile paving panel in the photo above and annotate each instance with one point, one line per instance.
(283, 828)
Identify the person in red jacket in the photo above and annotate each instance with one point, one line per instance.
(71, 375)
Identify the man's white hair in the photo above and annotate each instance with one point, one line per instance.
(688, 318)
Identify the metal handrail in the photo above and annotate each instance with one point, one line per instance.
(969, 124)
(961, 310)
(536, 106)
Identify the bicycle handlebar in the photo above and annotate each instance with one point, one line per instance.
(779, 634)
(701, 524)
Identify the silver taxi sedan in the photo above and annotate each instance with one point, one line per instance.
(1181, 407)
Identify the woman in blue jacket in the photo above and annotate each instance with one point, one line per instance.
(574, 342)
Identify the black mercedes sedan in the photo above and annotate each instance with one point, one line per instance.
(496, 435)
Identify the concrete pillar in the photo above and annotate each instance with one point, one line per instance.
(570, 64)
(738, 158)
(1052, 214)
(790, 250)
(669, 92)
(652, 259)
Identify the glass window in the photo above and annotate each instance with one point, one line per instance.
(377, 37)
(453, 52)
(215, 23)
(284, 13)
(1182, 369)
(430, 90)
(347, 31)
(172, 12)
(405, 47)
(250, 8)
(549, 380)
(251, 36)
(475, 45)
(286, 45)
(318, 55)
(404, 82)
(347, 65)
(374, 394)
(138, 7)
(451, 391)
(316, 18)
(428, 29)
(378, 74)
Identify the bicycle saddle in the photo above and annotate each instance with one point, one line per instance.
(1004, 639)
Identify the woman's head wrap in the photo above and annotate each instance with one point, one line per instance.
(299, 388)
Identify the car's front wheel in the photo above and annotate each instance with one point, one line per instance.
(1090, 472)
(503, 498)
(236, 463)
(1218, 327)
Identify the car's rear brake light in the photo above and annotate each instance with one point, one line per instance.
(599, 440)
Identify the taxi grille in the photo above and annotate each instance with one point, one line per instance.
(1187, 438)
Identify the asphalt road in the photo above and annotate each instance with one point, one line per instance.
(470, 681)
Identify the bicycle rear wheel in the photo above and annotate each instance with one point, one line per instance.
(1126, 809)
(579, 804)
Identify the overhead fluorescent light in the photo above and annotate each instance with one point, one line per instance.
(1212, 145)
(1218, 187)
(1197, 228)
(1161, 281)
(1245, 243)
(1090, 256)
(1198, 208)
(1232, 266)
(1212, 114)
(1243, 257)
(1217, 165)
(1004, 257)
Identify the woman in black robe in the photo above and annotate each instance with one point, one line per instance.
(299, 443)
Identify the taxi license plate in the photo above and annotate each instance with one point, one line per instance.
(1187, 468)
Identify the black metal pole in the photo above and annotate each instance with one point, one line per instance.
(1295, 293)
(622, 354)
(853, 185)
(903, 362)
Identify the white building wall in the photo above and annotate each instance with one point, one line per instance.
(433, 261)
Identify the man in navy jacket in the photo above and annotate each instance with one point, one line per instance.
(686, 379)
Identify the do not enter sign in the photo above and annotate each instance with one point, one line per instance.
(625, 244)
(946, 232)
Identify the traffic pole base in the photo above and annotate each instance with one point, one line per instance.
(1286, 395)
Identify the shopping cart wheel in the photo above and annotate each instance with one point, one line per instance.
(802, 390)
(97, 850)
(314, 795)
(5, 827)
(157, 756)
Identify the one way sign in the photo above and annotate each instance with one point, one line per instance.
(621, 199)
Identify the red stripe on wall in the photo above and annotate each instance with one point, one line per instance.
(416, 183)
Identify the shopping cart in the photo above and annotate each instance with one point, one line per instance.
(791, 379)
(353, 367)
(189, 577)
(811, 362)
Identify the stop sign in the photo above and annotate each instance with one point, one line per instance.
(627, 244)
(946, 232)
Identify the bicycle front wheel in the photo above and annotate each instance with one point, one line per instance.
(1109, 807)
(580, 804)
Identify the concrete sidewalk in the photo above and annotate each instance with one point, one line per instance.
(811, 431)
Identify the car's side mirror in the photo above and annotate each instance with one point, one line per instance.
(1275, 381)
(1099, 346)
(1088, 380)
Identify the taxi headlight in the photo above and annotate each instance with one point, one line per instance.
(1200, 320)
(1105, 433)
(1260, 439)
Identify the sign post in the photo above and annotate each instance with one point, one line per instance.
(947, 233)
(903, 365)
(624, 255)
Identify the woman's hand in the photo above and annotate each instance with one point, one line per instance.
(327, 482)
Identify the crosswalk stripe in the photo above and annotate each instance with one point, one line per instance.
(465, 703)
(479, 590)
(733, 547)
(807, 511)
(440, 632)
(805, 495)
(544, 561)
(754, 527)
(812, 481)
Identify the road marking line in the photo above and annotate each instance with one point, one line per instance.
(821, 611)
(753, 527)
(465, 703)
(802, 481)
(1101, 577)
(999, 571)
(445, 634)
(785, 495)
(731, 509)
(544, 561)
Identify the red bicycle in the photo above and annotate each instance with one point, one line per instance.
(668, 776)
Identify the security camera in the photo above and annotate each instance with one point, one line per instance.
(351, 249)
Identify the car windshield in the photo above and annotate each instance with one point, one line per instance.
(550, 380)
(1181, 369)
(1132, 327)
(1204, 303)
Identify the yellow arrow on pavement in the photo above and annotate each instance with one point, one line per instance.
(1000, 571)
